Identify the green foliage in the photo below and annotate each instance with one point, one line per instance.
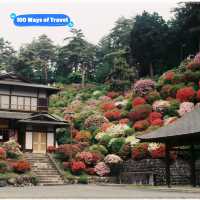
(116, 144)
(129, 131)
(63, 136)
(74, 77)
(83, 179)
(12, 155)
(3, 167)
(105, 139)
(129, 105)
(100, 148)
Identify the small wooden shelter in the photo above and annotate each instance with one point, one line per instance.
(183, 132)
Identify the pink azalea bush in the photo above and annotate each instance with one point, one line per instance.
(185, 107)
(144, 86)
(112, 159)
(160, 105)
(102, 169)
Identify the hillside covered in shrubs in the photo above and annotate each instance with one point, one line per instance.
(104, 122)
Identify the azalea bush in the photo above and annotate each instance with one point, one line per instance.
(112, 94)
(108, 106)
(161, 106)
(102, 169)
(85, 156)
(83, 136)
(95, 120)
(3, 167)
(185, 94)
(144, 86)
(112, 159)
(185, 107)
(140, 151)
(113, 115)
(140, 112)
(141, 125)
(21, 166)
(77, 166)
(138, 101)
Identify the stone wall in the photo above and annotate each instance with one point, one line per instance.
(152, 171)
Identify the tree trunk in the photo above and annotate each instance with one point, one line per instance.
(83, 78)
(151, 70)
(46, 72)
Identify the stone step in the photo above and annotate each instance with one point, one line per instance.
(44, 169)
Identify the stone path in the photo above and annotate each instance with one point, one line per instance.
(97, 191)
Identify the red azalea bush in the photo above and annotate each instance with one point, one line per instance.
(166, 91)
(140, 112)
(2, 153)
(51, 149)
(113, 115)
(124, 121)
(21, 166)
(112, 95)
(157, 122)
(154, 115)
(85, 157)
(185, 94)
(108, 106)
(158, 152)
(138, 101)
(140, 151)
(141, 125)
(169, 76)
(77, 166)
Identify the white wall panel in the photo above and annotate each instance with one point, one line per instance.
(50, 139)
(29, 140)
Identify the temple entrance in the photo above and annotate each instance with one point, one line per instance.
(39, 142)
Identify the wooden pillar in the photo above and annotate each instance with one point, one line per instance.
(167, 169)
(192, 166)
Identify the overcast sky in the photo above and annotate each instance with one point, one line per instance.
(94, 17)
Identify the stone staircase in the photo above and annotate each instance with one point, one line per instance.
(44, 169)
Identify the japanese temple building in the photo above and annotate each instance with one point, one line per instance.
(183, 132)
(24, 113)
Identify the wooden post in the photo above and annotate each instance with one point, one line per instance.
(167, 159)
(192, 166)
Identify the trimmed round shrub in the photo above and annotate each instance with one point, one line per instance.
(169, 75)
(185, 107)
(116, 144)
(193, 66)
(161, 106)
(113, 115)
(102, 169)
(141, 125)
(95, 121)
(185, 94)
(140, 112)
(85, 157)
(144, 86)
(99, 148)
(198, 95)
(154, 115)
(77, 167)
(83, 136)
(129, 131)
(138, 101)
(21, 166)
(112, 159)
(108, 106)
(105, 139)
